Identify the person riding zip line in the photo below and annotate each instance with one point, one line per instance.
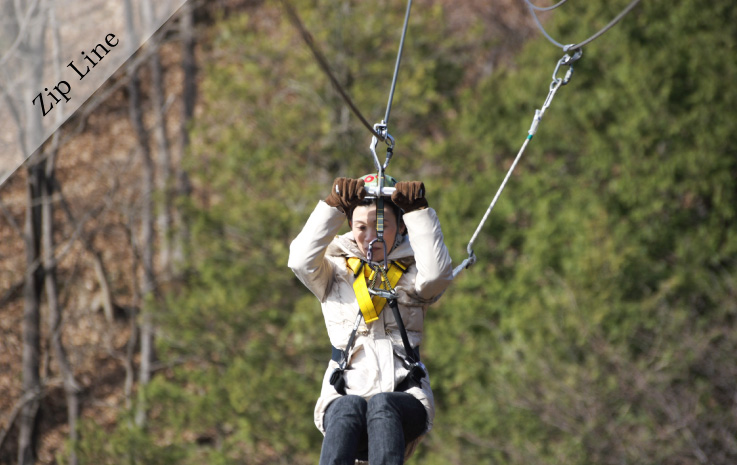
(376, 402)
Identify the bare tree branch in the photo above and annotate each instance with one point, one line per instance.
(9, 420)
(11, 221)
(22, 26)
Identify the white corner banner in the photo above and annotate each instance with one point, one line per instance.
(54, 55)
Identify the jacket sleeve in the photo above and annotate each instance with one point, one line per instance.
(307, 251)
(434, 265)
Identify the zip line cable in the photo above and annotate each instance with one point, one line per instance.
(607, 27)
(307, 37)
(556, 84)
(567, 60)
(573, 47)
(380, 132)
(396, 66)
(548, 8)
(383, 126)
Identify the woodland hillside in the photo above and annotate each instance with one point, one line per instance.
(147, 315)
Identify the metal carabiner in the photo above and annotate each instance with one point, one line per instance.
(554, 86)
(370, 253)
(388, 139)
(380, 128)
(576, 54)
(566, 60)
(383, 293)
(372, 146)
(564, 80)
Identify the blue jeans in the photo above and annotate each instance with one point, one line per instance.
(383, 425)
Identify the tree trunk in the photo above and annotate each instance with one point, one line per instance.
(71, 388)
(31, 317)
(34, 45)
(189, 97)
(147, 227)
(163, 184)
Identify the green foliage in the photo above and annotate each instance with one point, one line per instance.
(598, 325)
(127, 444)
(608, 283)
(244, 341)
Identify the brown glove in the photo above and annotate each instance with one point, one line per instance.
(410, 196)
(346, 194)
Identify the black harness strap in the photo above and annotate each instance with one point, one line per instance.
(412, 363)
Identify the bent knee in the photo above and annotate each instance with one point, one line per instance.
(383, 402)
(347, 407)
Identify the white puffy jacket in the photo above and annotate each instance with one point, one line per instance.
(318, 258)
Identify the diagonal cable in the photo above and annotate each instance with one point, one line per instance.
(548, 8)
(598, 34)
(399, 60)
(607, 27)
(532, 8)
(307, 37)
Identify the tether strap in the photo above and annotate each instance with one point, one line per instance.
(403, 332)
(412, 360)
(337, 380)
(371, 307)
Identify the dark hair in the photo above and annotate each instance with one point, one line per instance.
(387, 203)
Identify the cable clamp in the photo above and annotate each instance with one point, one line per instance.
(535, 123)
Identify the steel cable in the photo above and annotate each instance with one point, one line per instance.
(396, 66)
(307, 37)
(555, 85)
(577, 46)
(547, 8)
(607, 27)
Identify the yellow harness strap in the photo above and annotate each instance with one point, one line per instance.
(371, 307)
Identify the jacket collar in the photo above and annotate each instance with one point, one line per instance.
(345, 246)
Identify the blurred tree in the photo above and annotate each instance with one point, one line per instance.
(244, 342)
(30, 135)
(143, 245)
(183, 187)
(598, 325)
(600, 319)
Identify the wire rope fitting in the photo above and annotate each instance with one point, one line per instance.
(389, 153)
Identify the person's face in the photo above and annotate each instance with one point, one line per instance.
(364, 230)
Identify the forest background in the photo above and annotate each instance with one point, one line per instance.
(148, 316)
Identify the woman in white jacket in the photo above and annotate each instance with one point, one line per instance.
(371, 403)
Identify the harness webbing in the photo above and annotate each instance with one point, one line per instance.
(371, 307)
